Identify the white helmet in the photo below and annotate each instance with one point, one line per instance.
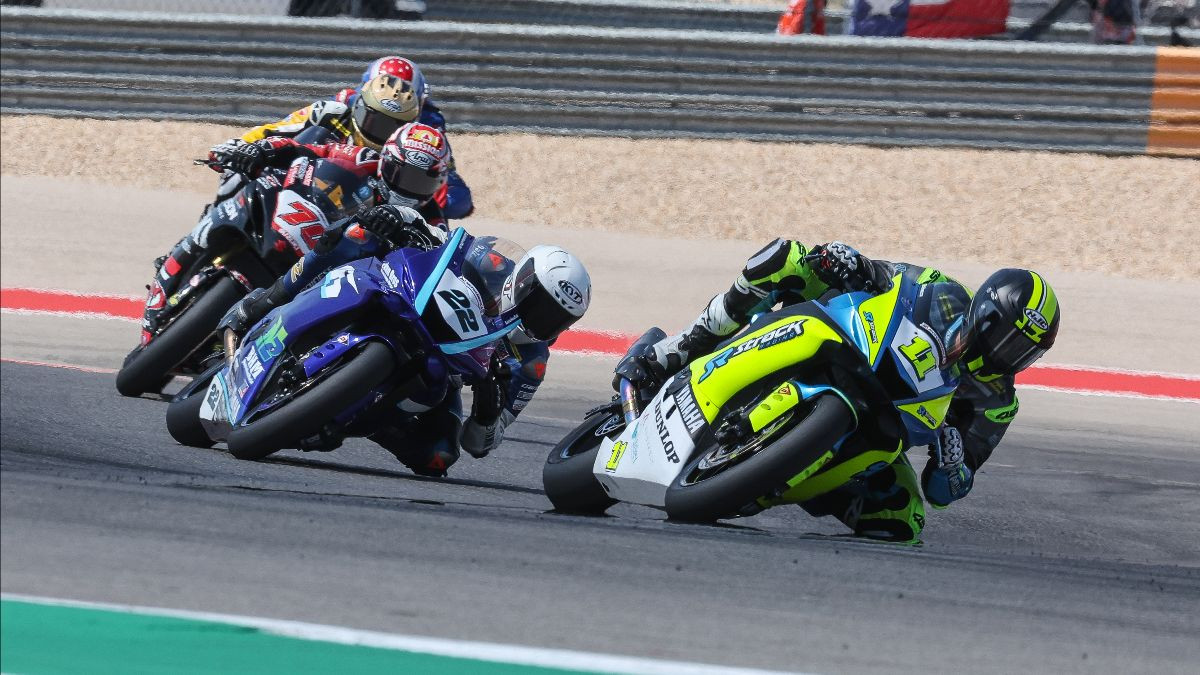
(550, 290)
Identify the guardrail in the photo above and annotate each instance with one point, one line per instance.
(628, 82)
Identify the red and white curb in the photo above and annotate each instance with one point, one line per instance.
(1084, 380)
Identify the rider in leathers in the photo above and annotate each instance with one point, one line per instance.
(987, 338)
(394, 87)
(426, 434)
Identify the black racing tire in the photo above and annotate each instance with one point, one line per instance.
(183, 421)
(721, 495)
(146, 368)
(311, 410)
(567, 475)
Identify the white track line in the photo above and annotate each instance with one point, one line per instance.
(463, 649)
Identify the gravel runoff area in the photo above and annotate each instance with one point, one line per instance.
(1130, 216)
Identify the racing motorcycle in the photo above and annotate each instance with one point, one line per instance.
(761, 417)
(338, 359)
(252, 238)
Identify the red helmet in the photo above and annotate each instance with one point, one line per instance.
(414, 162)
(398, 66)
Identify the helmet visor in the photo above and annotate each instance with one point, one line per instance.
(1006, 348)
(375, 126)
(410, 179)
(542, 316)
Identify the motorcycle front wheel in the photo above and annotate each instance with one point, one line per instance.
(567, 474)
(307, 413)
(720, 479)
(146, 368)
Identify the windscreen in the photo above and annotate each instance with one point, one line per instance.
(487, 266)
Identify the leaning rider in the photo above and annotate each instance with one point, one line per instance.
(393, 92)
(426, 435)
(989, 337)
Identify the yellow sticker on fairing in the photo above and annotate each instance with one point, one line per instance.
(876, 315)
(718, 377)
(932, 412)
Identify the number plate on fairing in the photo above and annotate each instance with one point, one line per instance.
(298, 221)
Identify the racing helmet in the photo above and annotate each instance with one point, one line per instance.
(414, 163)
(550, 290)
(1012, 322)
(398, 66)
(384, 104)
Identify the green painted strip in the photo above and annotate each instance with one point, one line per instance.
(38, 639)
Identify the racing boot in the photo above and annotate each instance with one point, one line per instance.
(885, 505)
(427, 443)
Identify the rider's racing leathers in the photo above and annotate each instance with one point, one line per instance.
(213, 230)
(885, 501)
(426, 435)
(334, 115)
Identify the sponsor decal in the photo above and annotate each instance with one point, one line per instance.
(392, 105)
(689, 412)
(229, 209)
(614, 459)
(270, 343)
(1035, 317)
(332, 287)
(573, 294)
(421, 160)
(344, 338)
(871, 326)
(389, 275)
(308, 174)
(939, 347)
(660, 423)
(769, 339)
(297, 270)
(252, 366)
(925, 415)
(427, 136)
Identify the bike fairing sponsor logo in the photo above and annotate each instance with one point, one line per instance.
(660, 423)
(229, 209)
(389, 275)
(270, 344)
(871, 326)
(689, 412)
(770, 339)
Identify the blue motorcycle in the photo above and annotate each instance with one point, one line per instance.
(338, 360)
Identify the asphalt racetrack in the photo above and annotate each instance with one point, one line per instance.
(1077, 551)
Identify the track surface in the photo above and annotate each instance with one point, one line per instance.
(1078, 550)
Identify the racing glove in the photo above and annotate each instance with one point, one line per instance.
(842, 267)
(489, 400)
(250, 310)
(400, 225)
(946, 478)
(647, 370)
(248, 158)
(219, 154)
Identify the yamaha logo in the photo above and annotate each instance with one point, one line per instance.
(1035, 317)
(573, 294)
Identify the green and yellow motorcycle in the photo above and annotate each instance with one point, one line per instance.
(799, 403)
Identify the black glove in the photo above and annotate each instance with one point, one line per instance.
(247, 159)
(400, 225)
(489, 396)
(219, 154)
(643, 370)
(842, 267)
(247, 312)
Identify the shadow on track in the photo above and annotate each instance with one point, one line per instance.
(389, 473)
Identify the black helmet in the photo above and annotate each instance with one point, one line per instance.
(1013, 321)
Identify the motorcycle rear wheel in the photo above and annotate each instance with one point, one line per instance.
(567, 474)
(146, 368)
(311, 410)
(707, 499)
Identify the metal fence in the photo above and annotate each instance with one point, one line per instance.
(631, 82)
